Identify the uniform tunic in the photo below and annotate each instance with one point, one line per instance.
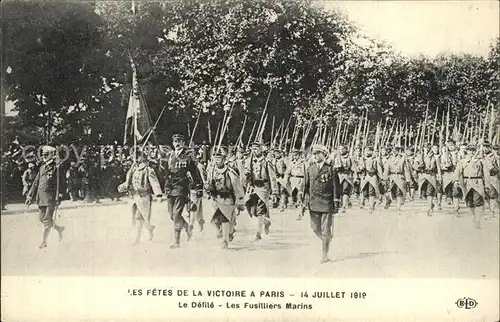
(322, 188)
(260, 180)
(428, 171)
(142, 183)
(295, 175)
(370, 172)
(227, 193)
(492, 165)
(397, 173)
(345, 169)
(44, 188)
(472, 179)
(177, 165)
(28, 177)
(447, 163)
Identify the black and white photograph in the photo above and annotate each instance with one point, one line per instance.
(288, 140)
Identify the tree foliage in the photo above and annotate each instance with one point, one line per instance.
(206, 56)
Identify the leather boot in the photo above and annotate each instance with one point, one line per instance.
(325, 249)
(439, 199)
(59, 230)
(177, 242)
(456, 206)
(430, 206)
(225, 234)
(46, 232)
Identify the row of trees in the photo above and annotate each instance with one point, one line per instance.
(67, 67)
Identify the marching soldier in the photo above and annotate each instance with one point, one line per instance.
(322, 190)
(45, 189)
(177, 165)
(397, 174)
(345, 169)
(281, 167)
(28, 178)
(197, 214)
(294, 176)
(385, 156)
(492, 165)
(429, 174)
(227, 194)
(473, 179)
(261, 183)
(370, 171)
(142, 183)
(447, 163)
(410, 160)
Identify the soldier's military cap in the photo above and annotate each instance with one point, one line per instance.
(320, 148)
(178, 137)
(495, 147)
(471, 147)
(31, 165)
(398, 148)
(411, 149)
(256, 144)
(220, 154)
(486, 144)
(369, 148)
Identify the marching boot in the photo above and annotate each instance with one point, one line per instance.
(456, 206)
(219, 231)
(267, 224)
(449, 201)
(372, 202)
(430, 206)
(225, 234)
(138, 232)
(477, 217)
(189, 231)
(231, 232)
(388, 201)
(399, 203)
(151, 229)
(59, 230)
(260, 228)
(177, 241)
(412, 194)
(439, 199)
(361, 201)
(325, 249)
(201, 222)
(46, 232)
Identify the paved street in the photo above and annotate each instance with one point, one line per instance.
(97, 241)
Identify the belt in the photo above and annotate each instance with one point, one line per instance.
(297, 176)
(473, 177)
(224, 195)
(396, 173)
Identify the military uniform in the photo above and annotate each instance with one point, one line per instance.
(294, 176)
(346, 170)
(429, 173)
(45, 190)
(473, 179)
(260, 180)
(177, 166)
(492, 190)
(283, 187)
(322, 189)
(397, 174)
(370, 171)
(72, 176)
(227, 196)
(142, 183)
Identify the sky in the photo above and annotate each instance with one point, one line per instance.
(421, 27)
(426, 27)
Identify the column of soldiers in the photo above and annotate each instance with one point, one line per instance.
(323, 182)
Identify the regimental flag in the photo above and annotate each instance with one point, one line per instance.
(138, 123)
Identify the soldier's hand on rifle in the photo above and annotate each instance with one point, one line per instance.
(275, 198)
(241, 208)
(28, 201)
(199, 193)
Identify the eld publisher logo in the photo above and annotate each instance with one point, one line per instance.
(466, 303)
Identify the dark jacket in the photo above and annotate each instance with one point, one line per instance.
(322, 188)
(44, 188)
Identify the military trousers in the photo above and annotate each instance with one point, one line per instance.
(45, 215)
(322, 224)
(176, 205)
